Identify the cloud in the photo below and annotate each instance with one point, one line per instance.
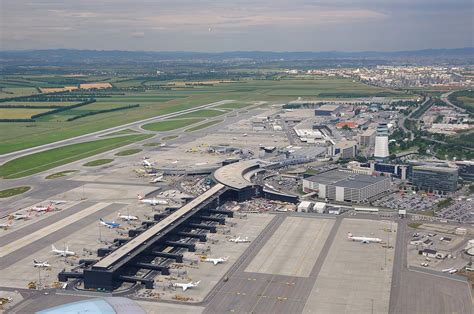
(240, 24)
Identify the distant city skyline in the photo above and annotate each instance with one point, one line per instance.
(210, 26)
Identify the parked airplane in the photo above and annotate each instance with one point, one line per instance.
(64, 252)
(19, 216)
(186, 286)
(157, 179)
(216, 261)
(239, 240)
(362, 239)
(44, 264)
(448, 270)
(109, 224)
(151, 201)
(42, 208)
(127, 217)
(7, 224)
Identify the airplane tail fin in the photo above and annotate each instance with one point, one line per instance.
(34, 261)
(139, 197)
(53, 247)
(197, 283)
(349, 235)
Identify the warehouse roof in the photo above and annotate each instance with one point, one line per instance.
(345, 179)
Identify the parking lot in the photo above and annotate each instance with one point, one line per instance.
(408, 200)
(461, 211)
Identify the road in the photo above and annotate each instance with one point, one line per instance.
(444, 98)
(90, 136)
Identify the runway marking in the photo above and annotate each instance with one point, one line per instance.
(15, 245)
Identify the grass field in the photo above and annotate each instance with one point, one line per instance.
(14, 191)
(205, 113)
(169, 125)
(128, 152)
(49, 159)
(234, 105)
(155, 102)
(169, 138)
(19, 113)
(61, 174)
(98, 162)
(152, 144)
(122, 132)
(204, 125)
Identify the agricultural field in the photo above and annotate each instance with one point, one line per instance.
(19, 113)
(158, 100)
(52, 158)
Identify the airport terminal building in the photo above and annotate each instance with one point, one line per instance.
(345, 186)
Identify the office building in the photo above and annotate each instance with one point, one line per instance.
(346, 149)
(367, 138)
(435, 179)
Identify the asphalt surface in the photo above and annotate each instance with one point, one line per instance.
(56, 236)
(247, 292)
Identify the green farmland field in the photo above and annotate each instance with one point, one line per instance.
(49, 159)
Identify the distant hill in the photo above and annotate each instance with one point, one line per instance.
(92, 56)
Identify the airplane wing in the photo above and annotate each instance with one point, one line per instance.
(215, 262)
(185, 288)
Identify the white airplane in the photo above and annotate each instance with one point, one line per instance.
(240, 240)
(64, 252)
(216, 261)
(42, 208)
(157, 179)
(186, 286)
(151, 201)
(109, 224)
(146, 163)
(7, 224)
(365, 240)
(19, 216)
(58, 202)
(448, 270)
(44, 264)
(127, 217)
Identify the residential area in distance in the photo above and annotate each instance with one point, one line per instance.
(248, 182)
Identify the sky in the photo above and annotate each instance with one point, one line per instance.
(236, 25)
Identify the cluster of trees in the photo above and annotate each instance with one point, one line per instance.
(17, 120)
(91, 113)
(463, 93)
(64, 108)
(29, 106)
